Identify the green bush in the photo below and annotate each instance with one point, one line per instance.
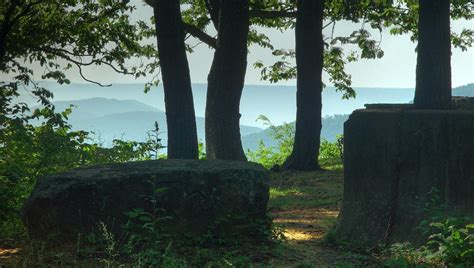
(330, 153)
(271, 156)
(40, 142)
(450, 238)
(449, 244)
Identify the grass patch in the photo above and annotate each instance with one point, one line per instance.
(278, 192)
(305, 190)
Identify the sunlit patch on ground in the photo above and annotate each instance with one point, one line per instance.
(305, 225)
(305, 205)
(294, 234)
(277, 192)
(7, 254)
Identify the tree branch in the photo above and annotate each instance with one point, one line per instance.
(213, 7)
(79, 64)
(270, 14)
(88, 80)
(201, 35)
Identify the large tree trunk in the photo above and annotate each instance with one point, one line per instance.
(309, 63)
(226, 82)
(180, 117)
(433, 70)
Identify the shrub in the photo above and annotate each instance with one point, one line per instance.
(450, 239)
(330, 153)
(449, 244)
(30, 151)
(271, 156)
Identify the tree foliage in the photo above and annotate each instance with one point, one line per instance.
(61, 35)
(284, 135)
(402, 18)
(58, 36)
(40, 142)
(399, 16)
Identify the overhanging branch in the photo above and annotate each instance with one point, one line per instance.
(263, 14)
(270, 14)
(201, 35)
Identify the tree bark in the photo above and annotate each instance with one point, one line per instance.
(180, 116)
(433, 69)
(226, 82)
(213, 7)
(309, 64)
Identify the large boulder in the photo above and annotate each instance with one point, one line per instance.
(197, 196)
(394, 156)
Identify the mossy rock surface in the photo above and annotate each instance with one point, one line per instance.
(195, 196)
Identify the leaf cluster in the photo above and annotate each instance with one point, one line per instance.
(271, 156)
(73, 34)
(35, 143)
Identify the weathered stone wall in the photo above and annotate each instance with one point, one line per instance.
(199, 196)
(392, 159)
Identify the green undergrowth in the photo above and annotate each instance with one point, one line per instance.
(449, 243)
(304, 207)
(278, 250)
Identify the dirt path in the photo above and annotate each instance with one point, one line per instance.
(306, 206)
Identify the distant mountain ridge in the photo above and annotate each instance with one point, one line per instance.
(111, 119)
(115, 117)
(95, 107)
(276, 102)
(466, 90)
(332, 127)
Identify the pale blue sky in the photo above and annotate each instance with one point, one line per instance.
(395, 70)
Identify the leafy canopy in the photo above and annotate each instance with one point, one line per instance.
(73, 34)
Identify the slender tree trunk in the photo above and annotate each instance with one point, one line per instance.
(180, 117)
(433, 69)
(309, 64)
(213, 7)
(226, 82)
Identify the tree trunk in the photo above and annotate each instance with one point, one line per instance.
(433, 70)
(180, 117)
(226, 82)
(309, 64)
(213, 7)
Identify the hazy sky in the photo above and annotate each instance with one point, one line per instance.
(396, 69)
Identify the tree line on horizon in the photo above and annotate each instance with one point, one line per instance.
(76, 34)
